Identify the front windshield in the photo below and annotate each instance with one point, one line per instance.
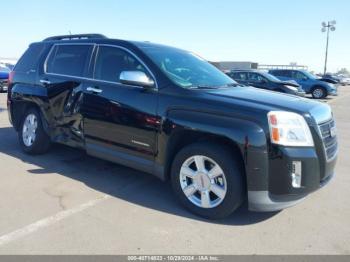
(187, 69)
(270, 77)
(4, 69)
(309, 75)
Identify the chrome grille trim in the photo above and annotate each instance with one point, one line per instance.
(330, 144)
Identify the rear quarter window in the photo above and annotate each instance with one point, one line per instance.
(68, 60)
(30, 59)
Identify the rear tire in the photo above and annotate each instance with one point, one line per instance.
(31, 134)
(319, 92)
(225, 192)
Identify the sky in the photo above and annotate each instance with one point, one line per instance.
(267, 32)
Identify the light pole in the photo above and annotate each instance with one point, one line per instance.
(330, 25)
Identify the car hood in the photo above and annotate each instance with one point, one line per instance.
(258, 100)
(328, 80)
(290, 83)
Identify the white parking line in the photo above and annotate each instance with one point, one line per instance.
(24, 231)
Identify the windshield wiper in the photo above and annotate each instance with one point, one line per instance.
(203, 87)
(214, 87)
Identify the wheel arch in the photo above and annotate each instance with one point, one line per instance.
(319, 86)
(23, 98)
(245, 140)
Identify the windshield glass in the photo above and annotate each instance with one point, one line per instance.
(309, 75)
(187, 69)
(4, 69)
(270, 77)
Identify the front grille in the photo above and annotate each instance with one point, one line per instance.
(329, 140)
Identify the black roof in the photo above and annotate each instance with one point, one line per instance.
(99, 39)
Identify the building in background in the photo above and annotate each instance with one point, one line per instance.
(231, 65)
(290, 66)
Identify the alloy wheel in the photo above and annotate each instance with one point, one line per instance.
(203, 181)
(30, 126)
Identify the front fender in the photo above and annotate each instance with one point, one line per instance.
(249, 137)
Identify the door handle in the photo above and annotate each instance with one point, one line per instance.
(45, 82)
(94, 90)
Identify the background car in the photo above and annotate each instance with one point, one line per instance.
(329, 78)
(344, 80)
(310, 83)
(263, 80)
(4, 75)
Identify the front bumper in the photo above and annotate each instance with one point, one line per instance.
(280, 192)
(263, 201)
(333, 92)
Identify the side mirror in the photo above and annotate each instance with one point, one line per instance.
(136, 78)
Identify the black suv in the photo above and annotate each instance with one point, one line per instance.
(260, 79)
(170, 113)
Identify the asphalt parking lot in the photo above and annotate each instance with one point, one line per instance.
(65, 202)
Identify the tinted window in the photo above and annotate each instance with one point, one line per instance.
(255, 77)
(285, 73)
(239, 76)
(111, 61)
(68, 59)
(30, 58)
(298, 75)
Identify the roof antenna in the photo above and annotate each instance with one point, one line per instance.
(70, 33)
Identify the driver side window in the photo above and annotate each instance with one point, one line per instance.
(298, 75)
(255, 77)
(111, 61)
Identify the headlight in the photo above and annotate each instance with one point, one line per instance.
(289, 129)
(292, 88)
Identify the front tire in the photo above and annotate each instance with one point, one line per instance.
(208, 180)
(31, 134)
(319, 92)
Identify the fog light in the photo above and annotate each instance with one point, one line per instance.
(296, 174)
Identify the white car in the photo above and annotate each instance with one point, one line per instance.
(344, 80)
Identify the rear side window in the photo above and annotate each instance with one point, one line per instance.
(29, 60)
(285, 73)
(68, 59)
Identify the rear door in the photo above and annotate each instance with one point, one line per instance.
(120, 121)
(63, 75)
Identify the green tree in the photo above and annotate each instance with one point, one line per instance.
(343, 71)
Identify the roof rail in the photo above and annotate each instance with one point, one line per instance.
(74, 37)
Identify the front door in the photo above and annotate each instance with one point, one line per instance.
(257, 80)
(120, 121)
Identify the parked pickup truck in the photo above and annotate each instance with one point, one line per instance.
(168, 112)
